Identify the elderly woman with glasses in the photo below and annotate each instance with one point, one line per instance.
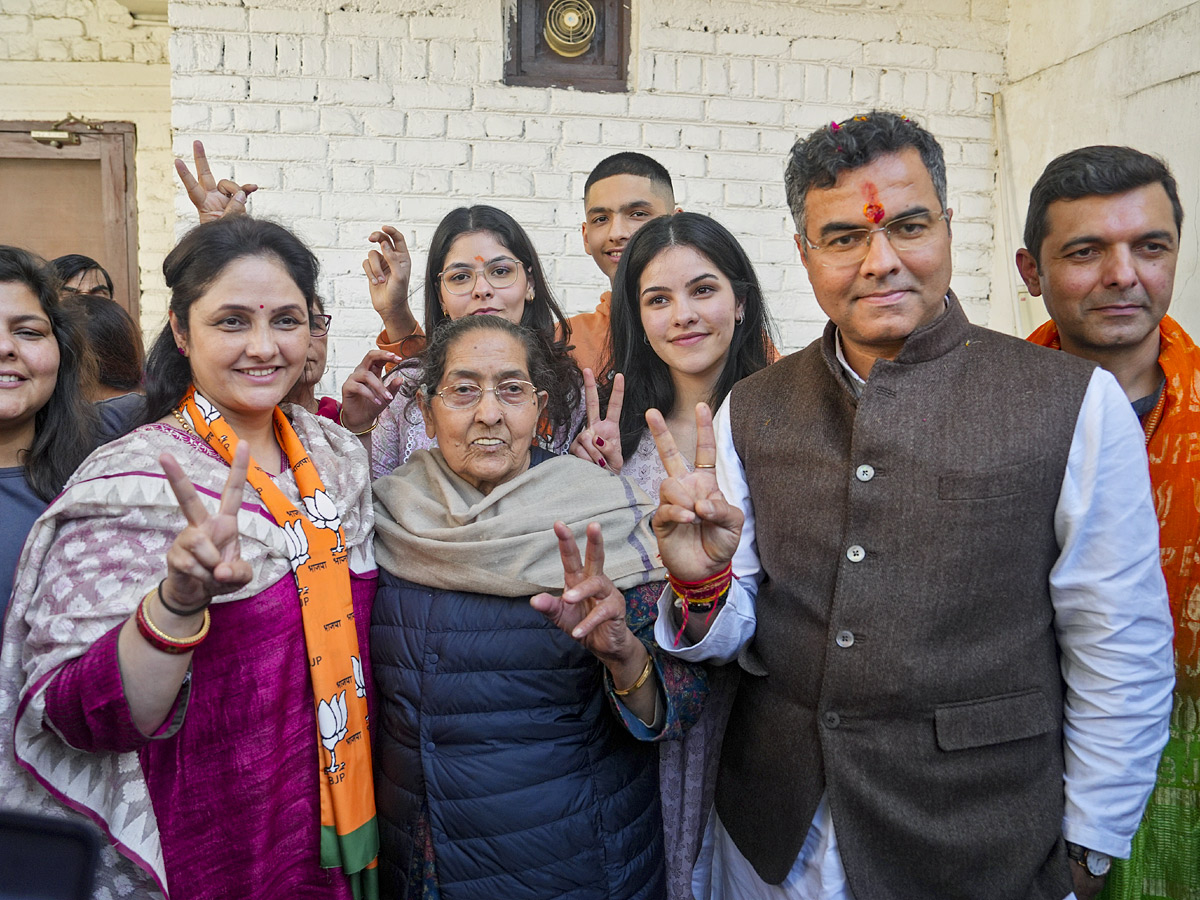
(520, 691)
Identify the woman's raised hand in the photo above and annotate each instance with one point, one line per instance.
(591, 609)
(697, 529)
(213, 199)
(364, 395)
(205, 559)
(388, 271)
(600, 442)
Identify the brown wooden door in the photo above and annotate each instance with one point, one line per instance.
(78, 198)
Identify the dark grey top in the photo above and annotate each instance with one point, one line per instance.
(19, 506)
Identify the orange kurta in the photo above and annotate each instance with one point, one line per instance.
(1166, 851)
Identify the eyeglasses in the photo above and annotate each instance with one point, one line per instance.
(849, 248)
(98, 291)
(318, 324)
(467, 394)
(500, 273)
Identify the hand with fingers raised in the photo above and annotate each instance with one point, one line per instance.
(364, 395)
(213, 199)
(600, 442)
(388, 271)
(592, 611)
(205, 559)
(697, 529)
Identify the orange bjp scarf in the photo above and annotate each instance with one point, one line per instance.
(320, 563)
(1173, 446)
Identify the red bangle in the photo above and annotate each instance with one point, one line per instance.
(160, 640)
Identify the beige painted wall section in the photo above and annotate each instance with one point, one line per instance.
(1121, 73)
(349, 115)
(88, 57)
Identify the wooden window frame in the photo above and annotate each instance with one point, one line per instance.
(603, 68)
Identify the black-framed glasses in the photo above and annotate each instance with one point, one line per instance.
(499, 273)
(467, 394)
(849, 248)
(318, 324)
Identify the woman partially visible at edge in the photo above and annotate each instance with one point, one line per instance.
(47, 426)
(187, 672)
(516, 753)
(688, 322)
(481, 262)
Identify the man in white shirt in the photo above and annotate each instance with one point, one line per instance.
(948, 610)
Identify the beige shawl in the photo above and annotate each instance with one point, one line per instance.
(433, 528)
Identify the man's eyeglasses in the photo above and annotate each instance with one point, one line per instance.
(500, 273)
(318, 324)
(467, 394)
(849, 248)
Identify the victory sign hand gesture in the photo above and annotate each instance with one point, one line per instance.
(697, 529)
(205, 560)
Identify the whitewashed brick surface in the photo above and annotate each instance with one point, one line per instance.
(353, 115)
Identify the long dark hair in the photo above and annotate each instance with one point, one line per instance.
(113, 339)
(196, 262)
(542, 314)
(648, 381)
(65, 429)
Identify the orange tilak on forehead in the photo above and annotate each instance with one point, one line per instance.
(873, 209)
(480, 259)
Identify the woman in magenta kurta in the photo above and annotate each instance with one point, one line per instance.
(205, 768)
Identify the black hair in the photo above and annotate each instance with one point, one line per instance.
(66, 427)
(113, 338)
(72, 264)
(548, 369)
(817, 160)
(648, 381)
(542, 314)
(630, 163)
(196, 262)
(1100, 170)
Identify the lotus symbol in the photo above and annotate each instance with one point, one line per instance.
(331, 719)
(324, 514)
(360, 684)
(207, 410)
(297, 543)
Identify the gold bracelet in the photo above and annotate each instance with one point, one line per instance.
(641, 678)
(357, 433)
(163, 641)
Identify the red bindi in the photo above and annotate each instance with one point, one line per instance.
(873, 209)
(260, 306)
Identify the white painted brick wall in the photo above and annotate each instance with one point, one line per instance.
(397, 113)
(90, 58)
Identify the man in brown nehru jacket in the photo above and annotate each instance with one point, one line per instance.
(948, 610)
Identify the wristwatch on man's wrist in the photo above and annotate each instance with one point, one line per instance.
(1096, 863)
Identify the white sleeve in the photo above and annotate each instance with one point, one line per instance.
(1113, 624)
(734, 625)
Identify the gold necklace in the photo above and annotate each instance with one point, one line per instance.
(184, 422)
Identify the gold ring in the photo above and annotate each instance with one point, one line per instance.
(706, 465)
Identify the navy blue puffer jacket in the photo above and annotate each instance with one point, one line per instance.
(499, 723)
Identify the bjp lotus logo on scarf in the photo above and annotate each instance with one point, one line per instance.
(297, 544)
(331, 719)
(207, 410)
(323, 513)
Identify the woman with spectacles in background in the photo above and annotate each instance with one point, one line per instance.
(481, 262)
